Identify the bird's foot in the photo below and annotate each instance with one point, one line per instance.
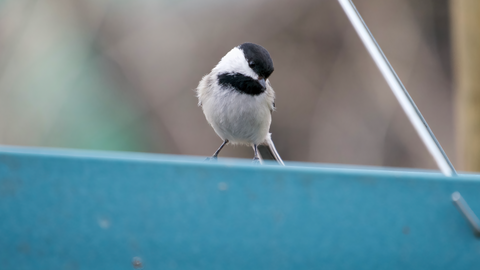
(256, 161)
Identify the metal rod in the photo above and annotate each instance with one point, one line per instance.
(467, 212)
(406, 102)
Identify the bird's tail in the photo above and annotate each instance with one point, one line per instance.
(269, 152)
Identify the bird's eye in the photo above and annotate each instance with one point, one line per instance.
(251, 64)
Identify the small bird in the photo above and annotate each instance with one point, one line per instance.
(238, 100)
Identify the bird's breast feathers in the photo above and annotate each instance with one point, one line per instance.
(236, 116)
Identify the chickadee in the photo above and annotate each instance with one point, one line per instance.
(238, 101)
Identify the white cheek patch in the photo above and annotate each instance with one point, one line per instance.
(234, 62)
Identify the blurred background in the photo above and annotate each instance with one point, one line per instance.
(120, 75)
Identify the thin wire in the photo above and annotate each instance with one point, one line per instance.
(398, 89)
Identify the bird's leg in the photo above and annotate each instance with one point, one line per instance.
(218, 150)
(256, 159)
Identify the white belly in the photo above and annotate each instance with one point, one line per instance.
(237, 117)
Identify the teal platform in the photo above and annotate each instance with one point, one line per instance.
(90, 210)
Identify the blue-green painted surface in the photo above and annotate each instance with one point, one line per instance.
(82, 210)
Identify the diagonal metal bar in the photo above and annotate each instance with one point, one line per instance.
(467, 212)
(398, 89)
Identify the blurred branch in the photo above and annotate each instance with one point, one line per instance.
(466, 40)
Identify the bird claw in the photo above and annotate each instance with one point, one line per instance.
(256, 161)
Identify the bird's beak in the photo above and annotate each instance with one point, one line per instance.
(262, 82)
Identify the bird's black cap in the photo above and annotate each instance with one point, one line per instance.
(258, 59)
